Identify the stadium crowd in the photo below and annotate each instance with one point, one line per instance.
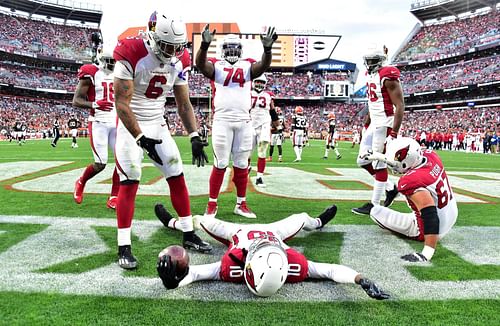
(43, 38)
(435, 41)
(37, 78)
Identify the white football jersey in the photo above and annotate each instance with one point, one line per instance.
(380, 105)
(101, 89)
(231, 89)
(261, 104)
(152, 78)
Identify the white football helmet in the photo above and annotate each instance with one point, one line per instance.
(375, 58)
(166, 36)
(105, 58)
(266, 266)
(231, 48)
(259, 83)
(403, 154)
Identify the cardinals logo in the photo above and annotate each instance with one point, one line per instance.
(401, 154)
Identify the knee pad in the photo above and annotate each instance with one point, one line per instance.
(240, 160)
(262, 149)
(220, 164)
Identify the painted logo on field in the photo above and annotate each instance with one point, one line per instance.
(281, 181)
(367, 249)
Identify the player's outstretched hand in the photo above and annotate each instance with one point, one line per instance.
(148, 144)
(268, 39)
(166, 268)
(199, 155)
(373, 290)
(414, 257)
(206, 36)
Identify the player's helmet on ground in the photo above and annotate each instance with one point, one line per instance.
(231, 48)
(259, 83)
(166, 36)
(331, 116)
(299, 110)
(105, 58)
(375, 58)
(403, 154)
(266, 266)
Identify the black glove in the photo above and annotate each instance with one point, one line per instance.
(148, 144)
(268, 39)
(207, 37)
(414, 257)
(167, 271)
(199, 155)
(373, 290)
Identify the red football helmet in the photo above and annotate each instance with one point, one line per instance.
(299, 110)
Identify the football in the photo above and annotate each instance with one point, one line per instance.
(179, 255)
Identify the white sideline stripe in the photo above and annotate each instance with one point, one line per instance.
(368, 249)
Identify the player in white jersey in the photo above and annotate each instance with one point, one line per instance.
(262, 113)
(95, 93)
(355, 137)
(331, 139)
(298, 127)
(145, 71)
(428, 193)
(232, 128)
(386, 108)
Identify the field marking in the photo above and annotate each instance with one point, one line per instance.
(364, 249)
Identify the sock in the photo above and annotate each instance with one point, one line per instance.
(326, 152)
(179, 196)
(89, 173)
(300, 152)
(124, 237)
(261, 165)
(215, 182)
(337, 152)
(271, 150)
(280, 150)
(185, 223)
(239, 200)
(125, 204)
(240, 180)
(389, 185)
(116, 183)
(297, 153)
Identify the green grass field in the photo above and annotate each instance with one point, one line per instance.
(52, 307)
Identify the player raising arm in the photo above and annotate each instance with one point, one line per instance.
(428, 193)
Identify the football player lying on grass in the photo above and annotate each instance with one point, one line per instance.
(428, 193)
(258, 255)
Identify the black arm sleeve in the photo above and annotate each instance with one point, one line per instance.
(274, 115)
(431, 220)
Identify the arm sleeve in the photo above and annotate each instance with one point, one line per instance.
(206, 272)
(334, 272)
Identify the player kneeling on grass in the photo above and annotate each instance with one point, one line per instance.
(257, 255)
(428, 193)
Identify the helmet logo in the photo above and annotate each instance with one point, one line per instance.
(402, 153)
(152, 22)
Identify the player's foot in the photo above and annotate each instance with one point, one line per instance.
(193, 242)
(163, 215)
(53, 145)
(339, 157)
(363, 210)
(111, 203)
(78, 192)
(296, 160)
(243, 210)
(325, 157)
(260, 183)
(125, 258)
(76, 145)
(390, 196)
(211, 210)
(280, 159)
(269, 159)
(327, 215)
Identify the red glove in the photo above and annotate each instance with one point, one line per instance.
(103, 105)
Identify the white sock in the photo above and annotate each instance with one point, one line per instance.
(173, 224)
(185, 223)
(326, 152)
(212, 200)
(389, 185)
(124, 236)
(260, 174)
(297, 153)
(239, 200)
(337, 152)
(378, 190)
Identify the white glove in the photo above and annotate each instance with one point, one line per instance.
(373, 156)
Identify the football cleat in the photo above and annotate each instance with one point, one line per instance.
(390, 196)
(211, 210)
(111, 203)
(53, 145)
(280, 159)
(260, 183)
(78, 192)
(193, 242)
(339, 157)
(327, 215)
(269, 159)
(363, 210)
(125, 258)
(243, 210)
(163, 215)
(296, 160)
(325, 157)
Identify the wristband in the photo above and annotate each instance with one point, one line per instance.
(193, 134)
(204, 46)
(138, 137)
(428, 252)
